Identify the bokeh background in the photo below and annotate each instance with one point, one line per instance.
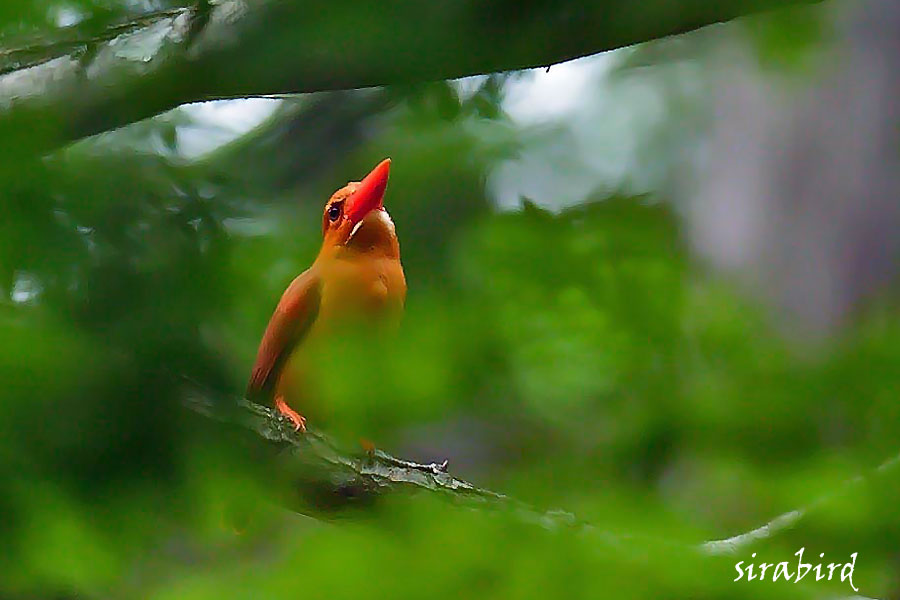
(654, 287)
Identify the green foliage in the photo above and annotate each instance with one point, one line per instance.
(576, 360)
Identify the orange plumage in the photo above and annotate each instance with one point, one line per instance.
(357, 273)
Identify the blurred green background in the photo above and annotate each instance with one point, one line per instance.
(574, 336)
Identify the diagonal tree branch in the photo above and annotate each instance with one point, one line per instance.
(367, 473)
(73, 41)
(69, 88)
(378, 472)
(790, 519)
(739, 542)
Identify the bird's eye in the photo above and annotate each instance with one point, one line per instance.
(334, 211)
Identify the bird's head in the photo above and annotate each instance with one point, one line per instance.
(355, 216)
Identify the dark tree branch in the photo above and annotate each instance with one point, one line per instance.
(378, 472)
(64, 89)
(363, 473)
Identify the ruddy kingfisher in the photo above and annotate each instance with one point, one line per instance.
(357, 275)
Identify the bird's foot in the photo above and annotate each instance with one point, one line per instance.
(298, 420)
(368, 447)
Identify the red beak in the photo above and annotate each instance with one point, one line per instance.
(370, 193)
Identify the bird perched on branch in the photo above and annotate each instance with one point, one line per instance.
(357, 275)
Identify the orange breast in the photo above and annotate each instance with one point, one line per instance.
(361, 287)
(358, 291)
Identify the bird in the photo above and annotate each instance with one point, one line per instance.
(356, 277)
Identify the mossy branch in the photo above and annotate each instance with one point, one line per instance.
(68, 84)
(377, 472)
(363, 473)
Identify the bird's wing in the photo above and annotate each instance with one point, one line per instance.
(294, 315)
